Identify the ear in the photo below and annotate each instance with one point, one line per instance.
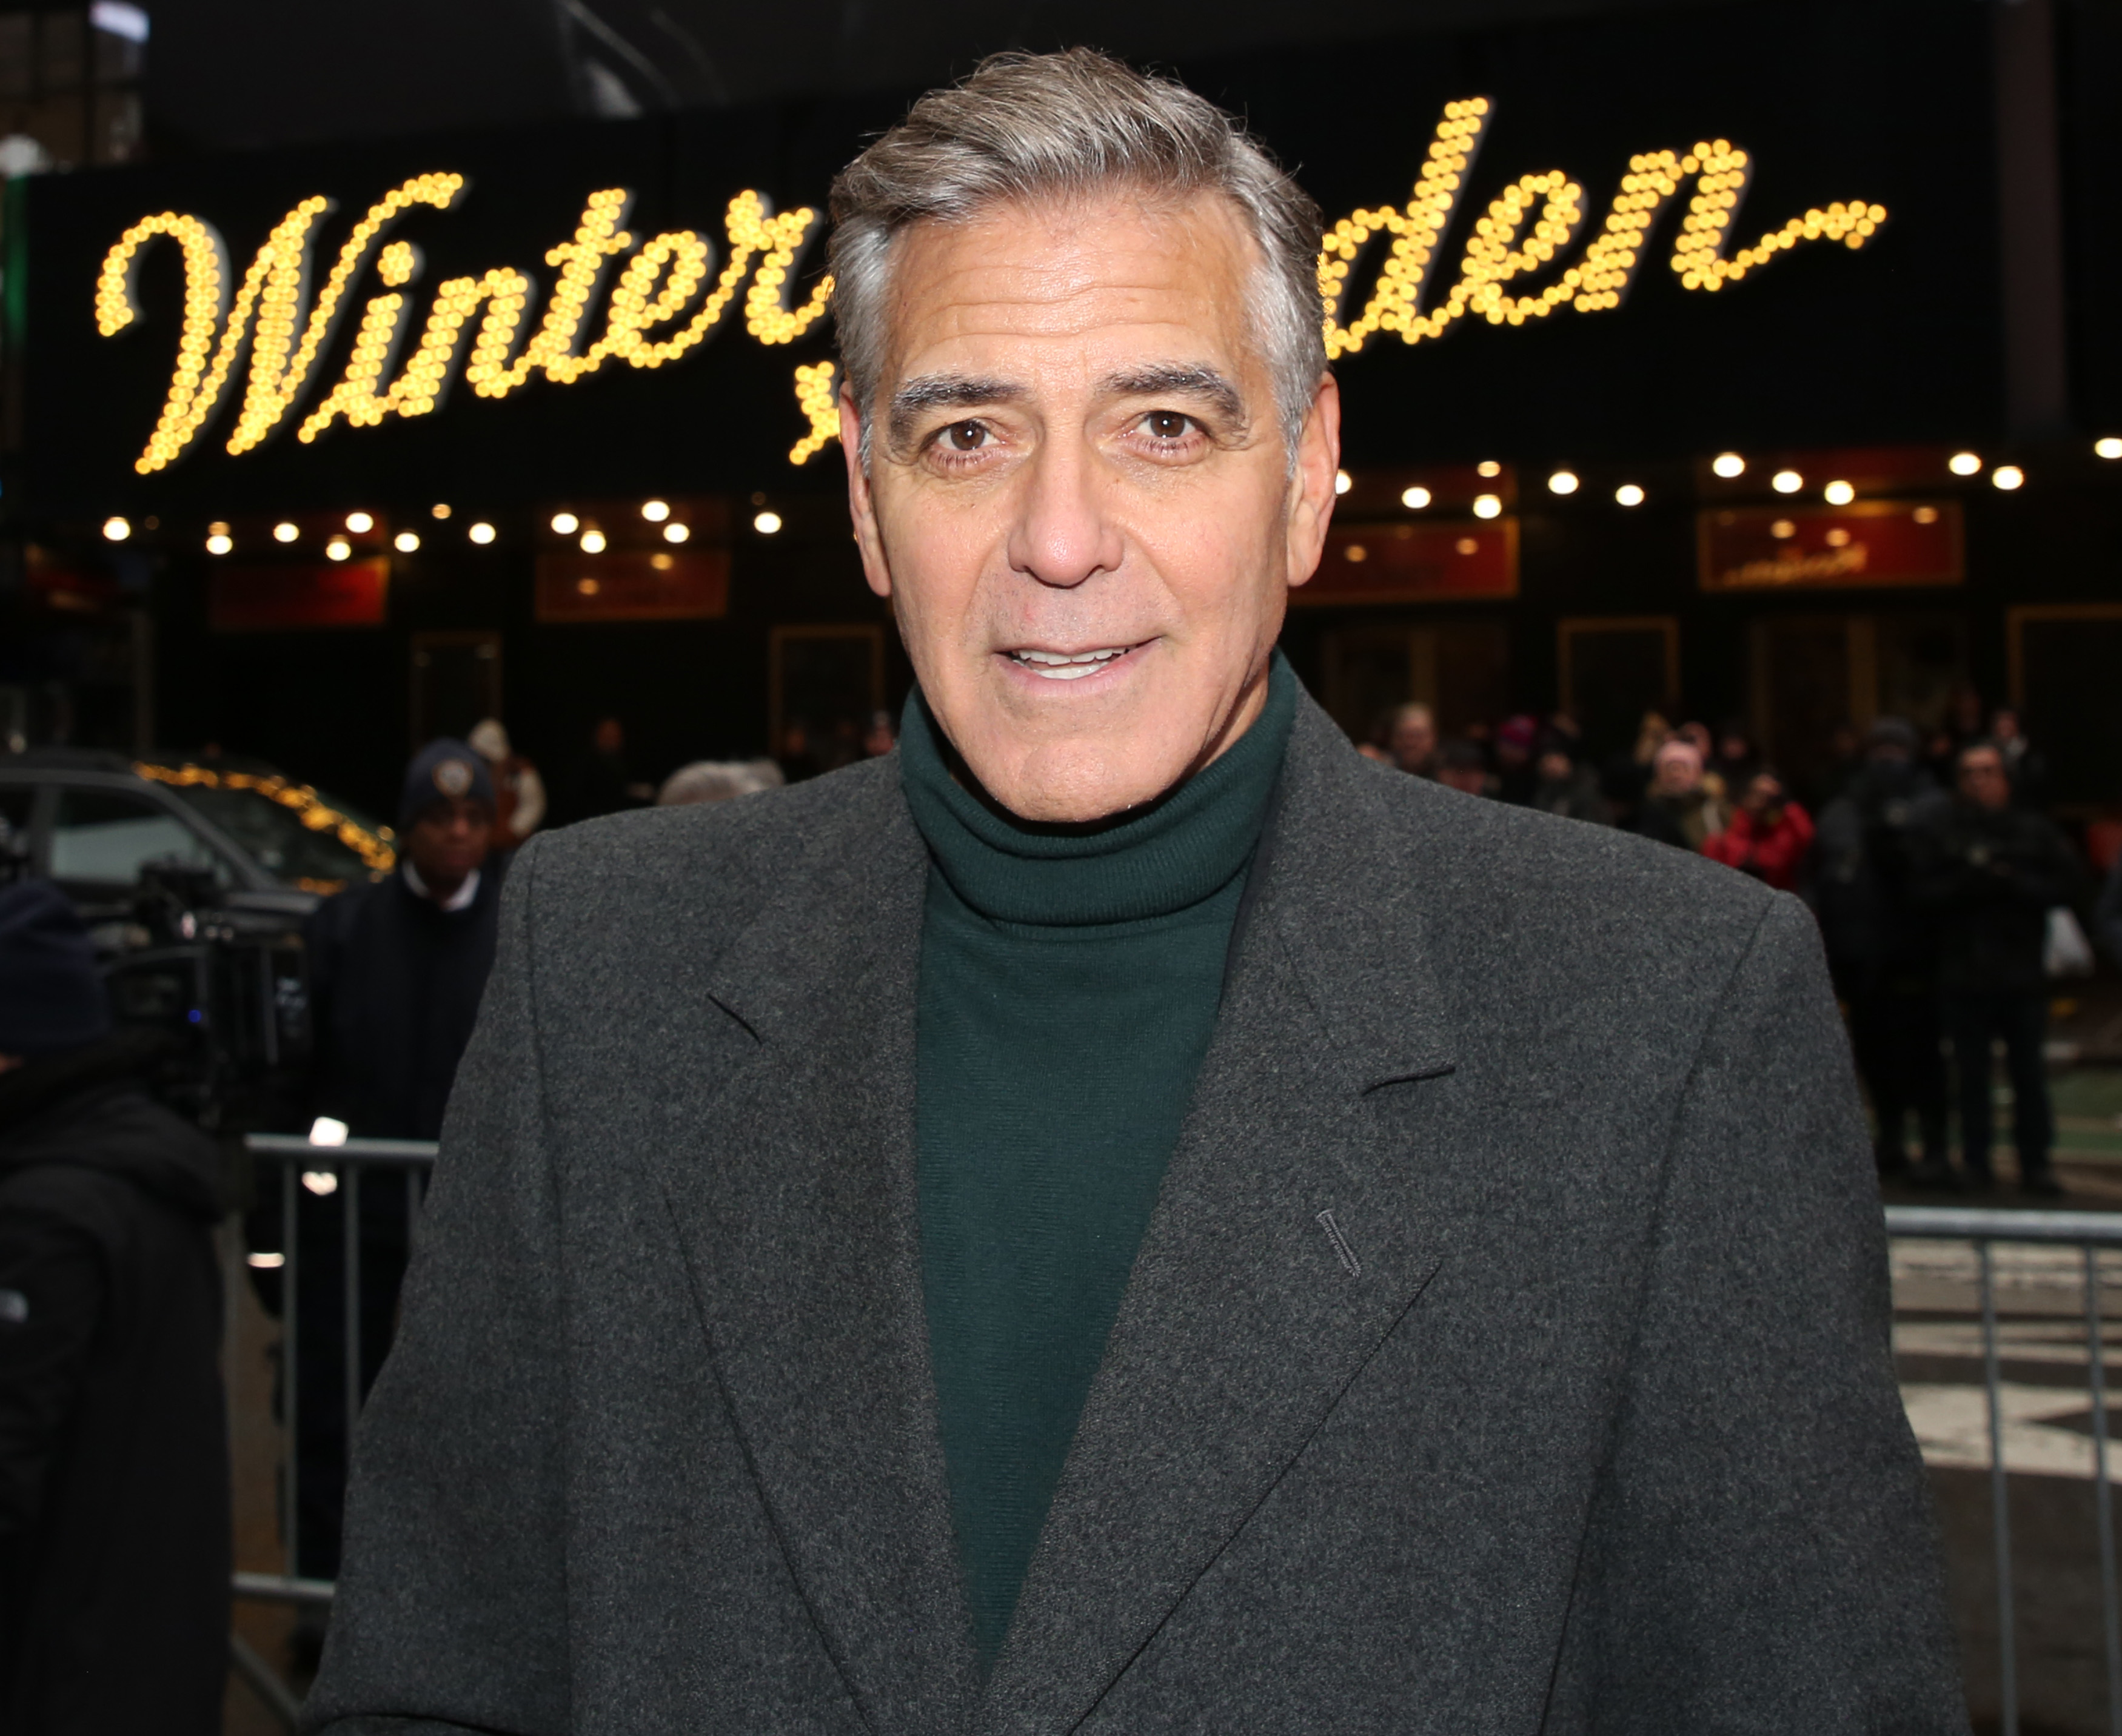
(861, 504)
(1311, 482)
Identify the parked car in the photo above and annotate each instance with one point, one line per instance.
(92, 821)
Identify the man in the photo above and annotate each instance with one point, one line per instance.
(1565, 787)
(1882, 947)
(397, 967)
(114, 1540)
(1991, 871)
(1125, 1215)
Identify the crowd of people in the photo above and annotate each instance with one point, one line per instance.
(1944, 894)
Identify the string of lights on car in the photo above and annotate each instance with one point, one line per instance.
(377, 850)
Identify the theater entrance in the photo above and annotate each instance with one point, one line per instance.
(1460, 669)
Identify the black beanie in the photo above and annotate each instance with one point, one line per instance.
(440, 770)
(51, 995)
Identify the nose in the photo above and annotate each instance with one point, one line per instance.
(1063, 535)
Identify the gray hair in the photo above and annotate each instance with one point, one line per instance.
(718, 780)
(1034, 127)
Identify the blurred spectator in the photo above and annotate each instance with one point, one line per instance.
(1651, 734)
(1515, 774)
(1564, 787)
(1462, 765)
(1882, 946)
(601, 782)
(718, 780)
(2023, 764)
(115, 1520)
(519, 793)
(1677, 806)
(1770, 836)
(397, 968)
(1992, 872)
(1412, 742)
(795, 756)
(881, 737)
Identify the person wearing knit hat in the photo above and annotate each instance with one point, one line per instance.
(397, 966)
(110, 1312)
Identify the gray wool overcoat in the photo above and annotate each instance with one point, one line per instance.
(1578, 1415)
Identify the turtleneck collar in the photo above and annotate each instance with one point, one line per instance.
(1162, 859)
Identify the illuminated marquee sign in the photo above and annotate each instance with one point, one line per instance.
(669, 298)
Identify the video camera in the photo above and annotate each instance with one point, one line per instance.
(231, 995)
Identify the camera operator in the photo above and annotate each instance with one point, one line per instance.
(397, 967)
(1992, 872)
(114, 1526)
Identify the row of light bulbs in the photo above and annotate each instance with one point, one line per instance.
(220, 541)
(1727, 464)
(1838, 493)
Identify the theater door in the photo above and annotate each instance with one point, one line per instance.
(1816, 676)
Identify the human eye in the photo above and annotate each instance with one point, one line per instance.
(1166, 436)
(968, 442)
(1167, 427)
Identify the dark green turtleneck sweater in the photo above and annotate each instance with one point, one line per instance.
(1069, 985)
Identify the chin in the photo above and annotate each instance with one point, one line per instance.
(1074, 783)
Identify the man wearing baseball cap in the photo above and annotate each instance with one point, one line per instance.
(397, 966)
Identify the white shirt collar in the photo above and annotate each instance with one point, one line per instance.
(459, 900)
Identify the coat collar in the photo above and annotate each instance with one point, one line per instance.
(1280, 1254)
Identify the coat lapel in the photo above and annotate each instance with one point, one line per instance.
(802, 1236)
(1287, 1243)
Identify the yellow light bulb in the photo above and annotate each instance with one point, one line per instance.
(592, 542)
(220, 543)
(767, 523)
(1628, 494)
(117, 530)
(2007, 476)
(676, 532)
(1562, 482)
(440, 509)
(2108, 446)
(481, 533)
(1787, 482)
(284, 532)
(1489, 467)
(405, 541)
(1414, 499)
(337, 548)
(1840, 493)
(1487, 506)
(359, 523)
(1343, 482)
(1964, 464)
(655, 511)
(565, 524)
(1728, 465)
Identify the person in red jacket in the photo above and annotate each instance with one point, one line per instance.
(1771, 837)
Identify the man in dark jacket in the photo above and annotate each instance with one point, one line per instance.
(1125, 1215)
(397, 967)
(1991, 871)
(115, 1529)
(1882, 946)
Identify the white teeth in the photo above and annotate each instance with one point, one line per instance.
(1056, 666)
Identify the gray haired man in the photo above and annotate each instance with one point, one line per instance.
(1124, 1215)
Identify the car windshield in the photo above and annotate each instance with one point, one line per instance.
(297, 834)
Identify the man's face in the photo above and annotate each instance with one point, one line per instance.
(1413, 739)
(1982, 779)
(1078, 498)
(449, 839)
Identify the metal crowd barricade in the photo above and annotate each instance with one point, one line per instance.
(2089, 1233)
(303, 1163)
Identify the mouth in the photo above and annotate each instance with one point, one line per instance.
(1069, 666)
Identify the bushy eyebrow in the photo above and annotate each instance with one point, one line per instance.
(944, 391)
(1174, 381)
